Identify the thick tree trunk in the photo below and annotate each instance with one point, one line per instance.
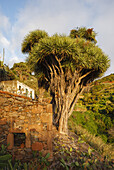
(63, 128)
(67, 109)
(65, 87)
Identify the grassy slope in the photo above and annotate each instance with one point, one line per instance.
(93, 116)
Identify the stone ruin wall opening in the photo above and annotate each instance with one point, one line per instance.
(21, 115)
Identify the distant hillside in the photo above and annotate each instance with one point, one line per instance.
(24, 74)
(19, 71)
(109, 78)
(95, 111)
(6, 73)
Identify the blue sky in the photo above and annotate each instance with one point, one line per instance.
(19, 17)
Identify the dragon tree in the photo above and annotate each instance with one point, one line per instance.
(65, 65)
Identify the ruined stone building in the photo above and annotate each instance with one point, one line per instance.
(32, 120)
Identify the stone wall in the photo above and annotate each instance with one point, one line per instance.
(19, 114)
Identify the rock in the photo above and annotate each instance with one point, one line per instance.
(22, 117)
(22, 145)
(37, 146)
(19, 98)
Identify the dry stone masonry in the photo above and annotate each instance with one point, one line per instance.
(21, 115)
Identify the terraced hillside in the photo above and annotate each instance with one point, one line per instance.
(95, 110)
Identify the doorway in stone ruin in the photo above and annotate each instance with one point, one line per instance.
(19, 139)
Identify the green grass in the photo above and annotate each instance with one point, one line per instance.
(107, 150)
(96, 122)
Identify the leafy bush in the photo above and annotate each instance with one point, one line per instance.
(5, 158)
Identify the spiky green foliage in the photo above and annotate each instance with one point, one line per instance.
(87, 34)
(32, 38)
(66, 65)
(73, 54)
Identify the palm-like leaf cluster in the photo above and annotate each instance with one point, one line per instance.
(87, 34)
(31, 39)
(72, 54)
(66, 65)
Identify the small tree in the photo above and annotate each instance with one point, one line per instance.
(66, 65)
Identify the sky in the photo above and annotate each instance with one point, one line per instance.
(19, 17)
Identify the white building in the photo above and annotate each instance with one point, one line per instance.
(14, 86)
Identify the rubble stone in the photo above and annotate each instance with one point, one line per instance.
(19, 114)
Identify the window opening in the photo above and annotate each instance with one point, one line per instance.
(19, 138)
(31, 94)
(19, 87)
(26, 92)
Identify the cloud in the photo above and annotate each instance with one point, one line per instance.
(60, 17)
(4, 31)
(3, 41)
(13, 60)
(4, 22)
(104, 25)
(52, 16)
